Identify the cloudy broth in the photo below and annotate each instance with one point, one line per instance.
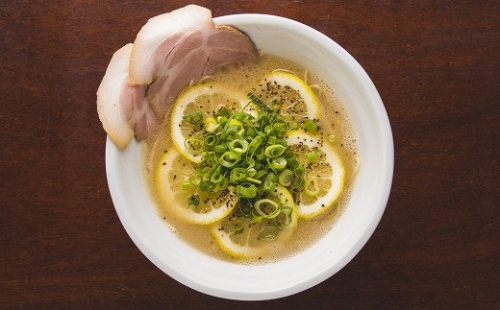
(334, 121)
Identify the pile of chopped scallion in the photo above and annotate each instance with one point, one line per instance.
(247, 154)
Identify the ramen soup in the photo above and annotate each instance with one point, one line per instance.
(254, 163)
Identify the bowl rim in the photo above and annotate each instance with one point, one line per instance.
(388, 156)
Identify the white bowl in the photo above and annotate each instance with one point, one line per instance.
(298, 42)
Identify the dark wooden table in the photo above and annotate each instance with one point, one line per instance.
(436, 65)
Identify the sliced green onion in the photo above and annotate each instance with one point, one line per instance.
(195, 118)
(220, 148)
(208, 161)
(250, 133)
(254, 144)
(186, 185)
(286, 212)
(282, 142)
(280, 126)
(285, 178)
(249, 191)
(206, 186)
(231, 132)
(299, 172)
(223, 184)
(253, 180)
(193, 144)
(274, 150)
(221, 119)
(234, 127)
(245, 207)
(223, 112)
(260, 154)
(229, 159)
(210, 124)
(251, 164)
(242, 116)
(194, 200)
(237, 174)
(260, 174)
(252, 171)
(267, 208)
(278, 163)
(216, 177)
(234, 122)
(256, 218)
(269, 183)
(238, 145)
(311, 157)
(261, 105)
(310, 125)
(210, 140)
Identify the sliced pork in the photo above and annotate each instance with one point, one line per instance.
(176, 48)
(144, 121)
(123, 108)
(169, 52)
(199, 52)
(159, 36)
(114, 98)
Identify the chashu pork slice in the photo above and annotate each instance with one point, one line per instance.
(123, 108)
(170, 51)
(173, 49)
(112, 102)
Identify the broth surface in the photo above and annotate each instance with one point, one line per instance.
(334, 120)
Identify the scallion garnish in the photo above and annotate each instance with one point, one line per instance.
(249, 154)
(195, 118)
(310, 125)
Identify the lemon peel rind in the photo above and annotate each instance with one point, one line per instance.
(287, 233)
(185, 214)
(292, 80)
(238, 251)
(323, 203)
(189, 95)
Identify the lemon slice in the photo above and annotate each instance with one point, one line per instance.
(174, 174)
(324, 175)
(296, 99)
(207, 98)
(243, 238)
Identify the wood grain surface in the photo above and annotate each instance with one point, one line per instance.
(436, 65)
